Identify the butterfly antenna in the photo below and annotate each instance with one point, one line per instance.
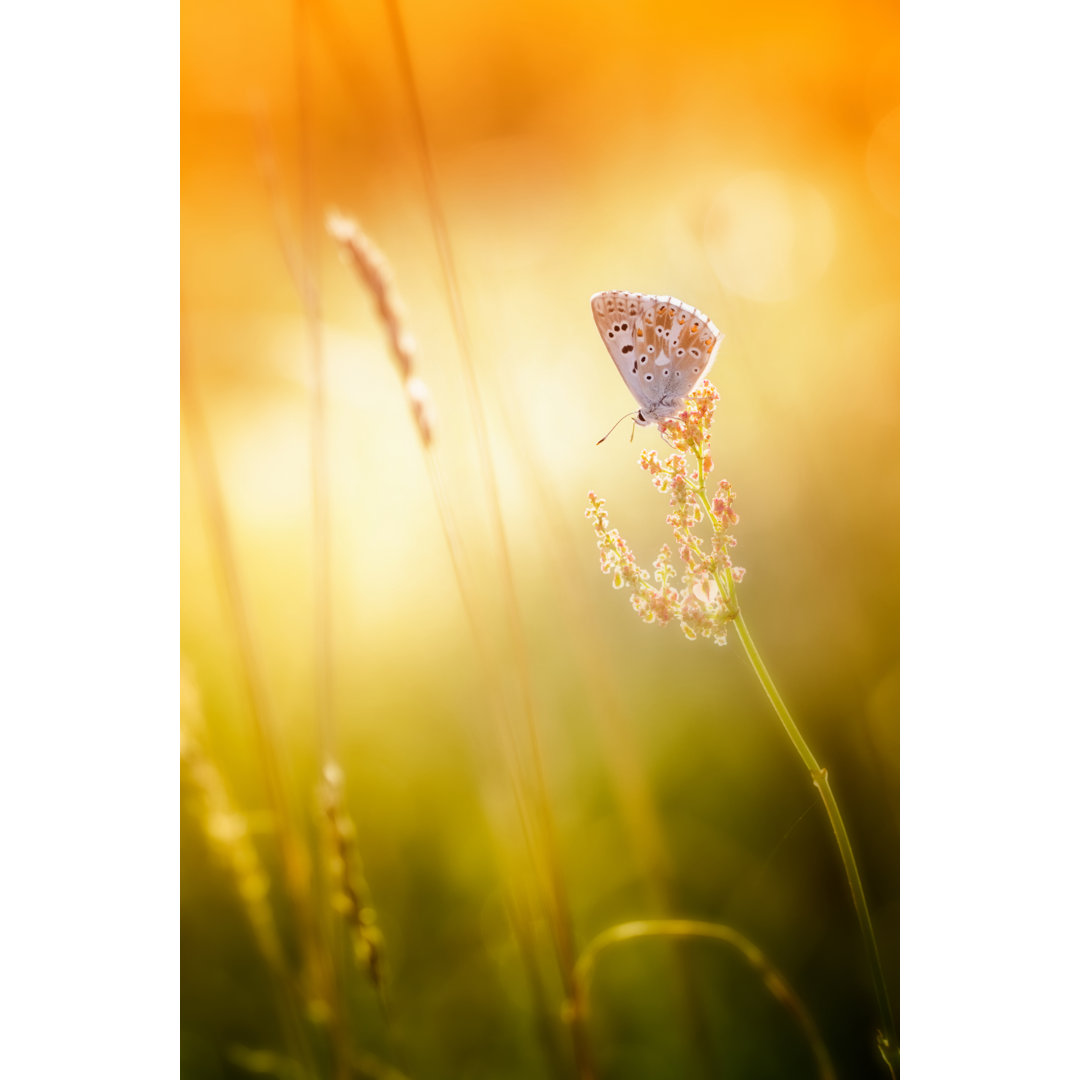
(615, 425)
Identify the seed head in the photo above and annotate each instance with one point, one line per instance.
(705, 603)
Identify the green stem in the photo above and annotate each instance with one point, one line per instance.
(774, 982)
(887, 1043)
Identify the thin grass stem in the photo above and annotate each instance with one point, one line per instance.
(254, 682)
(562, 927)
(689, 433)
(887, 1042)
(229, 837)
(375, 274)
(305, 274)
(774, 982)
(307, 285)
(621, 753)
(294, 858)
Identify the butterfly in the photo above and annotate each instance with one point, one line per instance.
(662, 347)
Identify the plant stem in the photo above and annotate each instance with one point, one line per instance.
(887, 1043)
(774, 982)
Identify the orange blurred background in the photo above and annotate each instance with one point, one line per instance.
(744, 158)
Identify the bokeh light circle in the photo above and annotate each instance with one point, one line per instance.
(769, 235)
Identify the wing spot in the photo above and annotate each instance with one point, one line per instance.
(682, 352)
(694, 328)
(695, 371)
(666, 373)
(640, 332)
(695, 352)
(611, 333)
(650, 348)
(648, 376)
(628, 348)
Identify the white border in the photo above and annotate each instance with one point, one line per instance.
(989, 714)
(89, 456)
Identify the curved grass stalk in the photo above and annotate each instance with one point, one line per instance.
(774, 982)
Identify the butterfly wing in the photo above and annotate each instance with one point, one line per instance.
(662, 347)
(618, 317)
(679, 344)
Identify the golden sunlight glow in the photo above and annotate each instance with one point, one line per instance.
(429, 617)
(769, 236)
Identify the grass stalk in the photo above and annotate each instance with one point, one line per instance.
(701, 614)
(294, 858)
(561, 924)
(562, 928)
(374, 273)
(774, 982)
(307, 285)
(621, 756)
(229, 838)
(301, 262)
(251, 669)
(887, 1041)
(304, 270)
